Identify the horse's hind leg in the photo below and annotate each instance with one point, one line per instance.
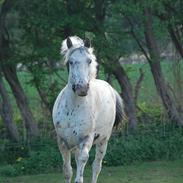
(97, 164)
(66, 156)
(82, 155)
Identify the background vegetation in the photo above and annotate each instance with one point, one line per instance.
(139, 48)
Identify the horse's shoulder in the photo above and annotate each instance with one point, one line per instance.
(103, 90)
(58, 100)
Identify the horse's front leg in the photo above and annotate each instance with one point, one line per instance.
(82, 155)
(66, 156)
(101, 148)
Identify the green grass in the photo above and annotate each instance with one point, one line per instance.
(151, 172)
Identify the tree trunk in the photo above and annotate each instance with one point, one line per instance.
(21, 100)
(5, 107)
(175, 40)
(127, 95)
(7, 113)
(155, 66)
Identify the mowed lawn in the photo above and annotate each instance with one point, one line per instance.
(151, 172)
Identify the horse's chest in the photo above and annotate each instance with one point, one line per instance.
(73, 124)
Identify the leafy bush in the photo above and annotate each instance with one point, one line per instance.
(41, 161)
(8, 171)
(153, 140)
(9, 151)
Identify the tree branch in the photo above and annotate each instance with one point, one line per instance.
(138, 85)
(136, 38)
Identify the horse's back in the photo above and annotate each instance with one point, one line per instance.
(118, 100)
(105, 103)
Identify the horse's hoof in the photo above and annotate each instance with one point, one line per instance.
(78, 182)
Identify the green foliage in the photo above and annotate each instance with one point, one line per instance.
(48, 159)
(127, 150)
(154, 140)
(39, 157)
(8, 171)
(10, 152)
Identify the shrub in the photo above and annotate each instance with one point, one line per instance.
(9, 152)
(8, 171)
(48, 159)
(150, 143)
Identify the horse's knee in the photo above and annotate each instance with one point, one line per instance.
(84, 155)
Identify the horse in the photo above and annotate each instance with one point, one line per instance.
(85, 111)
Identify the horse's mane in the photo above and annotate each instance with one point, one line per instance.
(77, 43)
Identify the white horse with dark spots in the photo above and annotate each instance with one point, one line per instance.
(85, 111)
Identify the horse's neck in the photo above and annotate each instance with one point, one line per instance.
(72, 98)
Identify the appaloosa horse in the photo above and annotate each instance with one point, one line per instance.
(85, 111)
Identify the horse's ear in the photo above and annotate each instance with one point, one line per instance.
(69, 43)
(87, 43)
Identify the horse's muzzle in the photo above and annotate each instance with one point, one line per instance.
(80, 90)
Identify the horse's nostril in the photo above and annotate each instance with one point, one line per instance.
(74, 87)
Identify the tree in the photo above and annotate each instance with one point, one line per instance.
(171, 17)
(9, 71)
(140, 15)
(156, 70)
(6, 113)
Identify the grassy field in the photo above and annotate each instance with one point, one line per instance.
(151, 172)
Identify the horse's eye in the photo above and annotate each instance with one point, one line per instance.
(89, 61)
(70, 62)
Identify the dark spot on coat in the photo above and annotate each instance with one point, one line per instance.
(74, 132)
(58, 124)
(96, 136)
(72, 112)
(67, 113)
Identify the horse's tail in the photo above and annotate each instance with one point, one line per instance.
(120, 115)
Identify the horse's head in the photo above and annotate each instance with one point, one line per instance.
(82, 65)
